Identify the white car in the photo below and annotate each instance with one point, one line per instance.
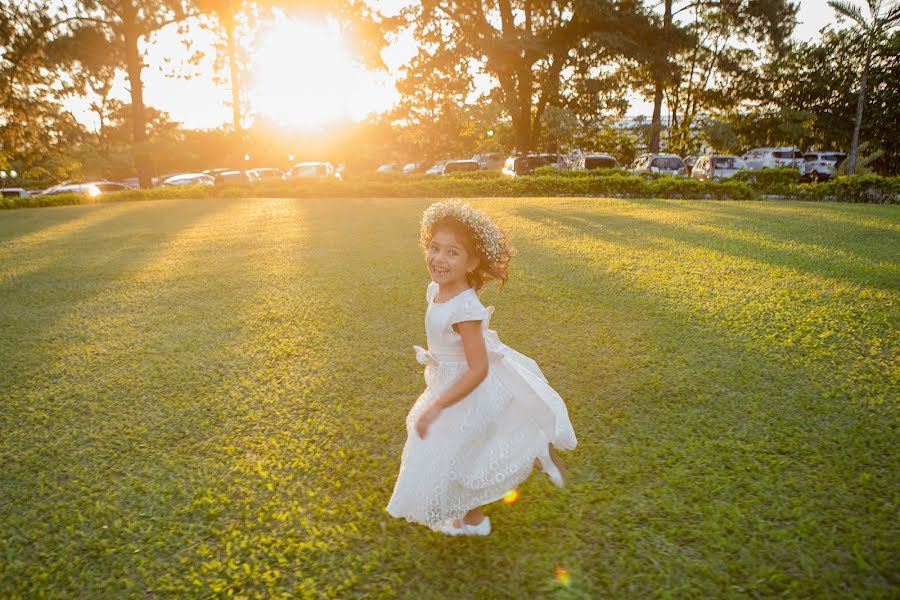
(820, 166)
(313, 170)
(437, 168)
(389, 168)
(189, 179)
(716, 167)
(773, 158)
(88, 189)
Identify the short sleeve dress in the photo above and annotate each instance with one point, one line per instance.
(483, 446)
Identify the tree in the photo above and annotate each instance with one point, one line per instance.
(871, 29)
(819, 80)
(226, 14)
(521, 49)
(704, 49)
(127, 22)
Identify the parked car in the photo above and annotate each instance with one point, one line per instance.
(716, 167)
(268, 174)
(189, 179)
(313, 170)
(416, 167)
(389, 168)
(460, 166)
(14, 193)
(820, 166)
(437, 168)
(772, 158)
(665, 164)
(555, 160)
(236, 176)
(589, 162)
(489, 160)
(110, 186)
(518, 166)
(88, 189)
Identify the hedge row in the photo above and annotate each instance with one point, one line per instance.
(863, 188)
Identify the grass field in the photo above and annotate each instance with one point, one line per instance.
(204, 398)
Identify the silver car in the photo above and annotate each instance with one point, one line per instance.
(820, 166)
(716, 167)
(664, 164)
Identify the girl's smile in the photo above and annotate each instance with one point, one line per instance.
(448, 260)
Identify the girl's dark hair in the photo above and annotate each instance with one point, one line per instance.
(488, 269)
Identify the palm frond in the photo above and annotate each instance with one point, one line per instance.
(892, 16)
(851, 11)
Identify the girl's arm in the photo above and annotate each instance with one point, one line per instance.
(476, 357)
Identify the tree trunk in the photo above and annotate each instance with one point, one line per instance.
(134, 63)
(860, 102)
(235, 76)
(656, 122)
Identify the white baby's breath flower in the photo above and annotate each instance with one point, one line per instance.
(488, 237)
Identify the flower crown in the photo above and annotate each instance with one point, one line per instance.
(488, 237)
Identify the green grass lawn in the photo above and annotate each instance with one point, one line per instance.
(203, 398)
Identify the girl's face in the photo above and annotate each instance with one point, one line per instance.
(448, 260)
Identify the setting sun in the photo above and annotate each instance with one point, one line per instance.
(304, 76)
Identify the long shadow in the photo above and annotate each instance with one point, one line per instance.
(716, 440)
(779, 221)
(16, 225)
(108, 430)
(668, 434)
(645, 229)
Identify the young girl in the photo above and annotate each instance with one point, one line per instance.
(487, 415)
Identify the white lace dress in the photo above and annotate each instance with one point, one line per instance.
(484, 445)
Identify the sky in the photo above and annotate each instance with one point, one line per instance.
(320, 84)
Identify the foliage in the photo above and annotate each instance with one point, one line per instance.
(812, 90)
(869, 189)
(207, 399)
(705, 57)
(864, 161)
(536, 54)
(771, 181)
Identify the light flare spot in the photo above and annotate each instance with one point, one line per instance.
(511, 496)
(562, 576)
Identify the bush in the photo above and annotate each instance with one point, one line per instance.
(860, 188)
(554, 172)
(871, 189)
(771, 181)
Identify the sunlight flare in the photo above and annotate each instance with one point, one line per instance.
(305, 76)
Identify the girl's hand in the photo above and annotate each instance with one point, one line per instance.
(426, 419)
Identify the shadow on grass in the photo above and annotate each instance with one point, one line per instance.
(713, 441)
(841, 227)
(642, 229)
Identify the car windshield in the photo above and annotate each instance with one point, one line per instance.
(670, 163)
(725, 162)
(599, 162)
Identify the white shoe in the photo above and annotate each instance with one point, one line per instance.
(483, 528)
(549, 467)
